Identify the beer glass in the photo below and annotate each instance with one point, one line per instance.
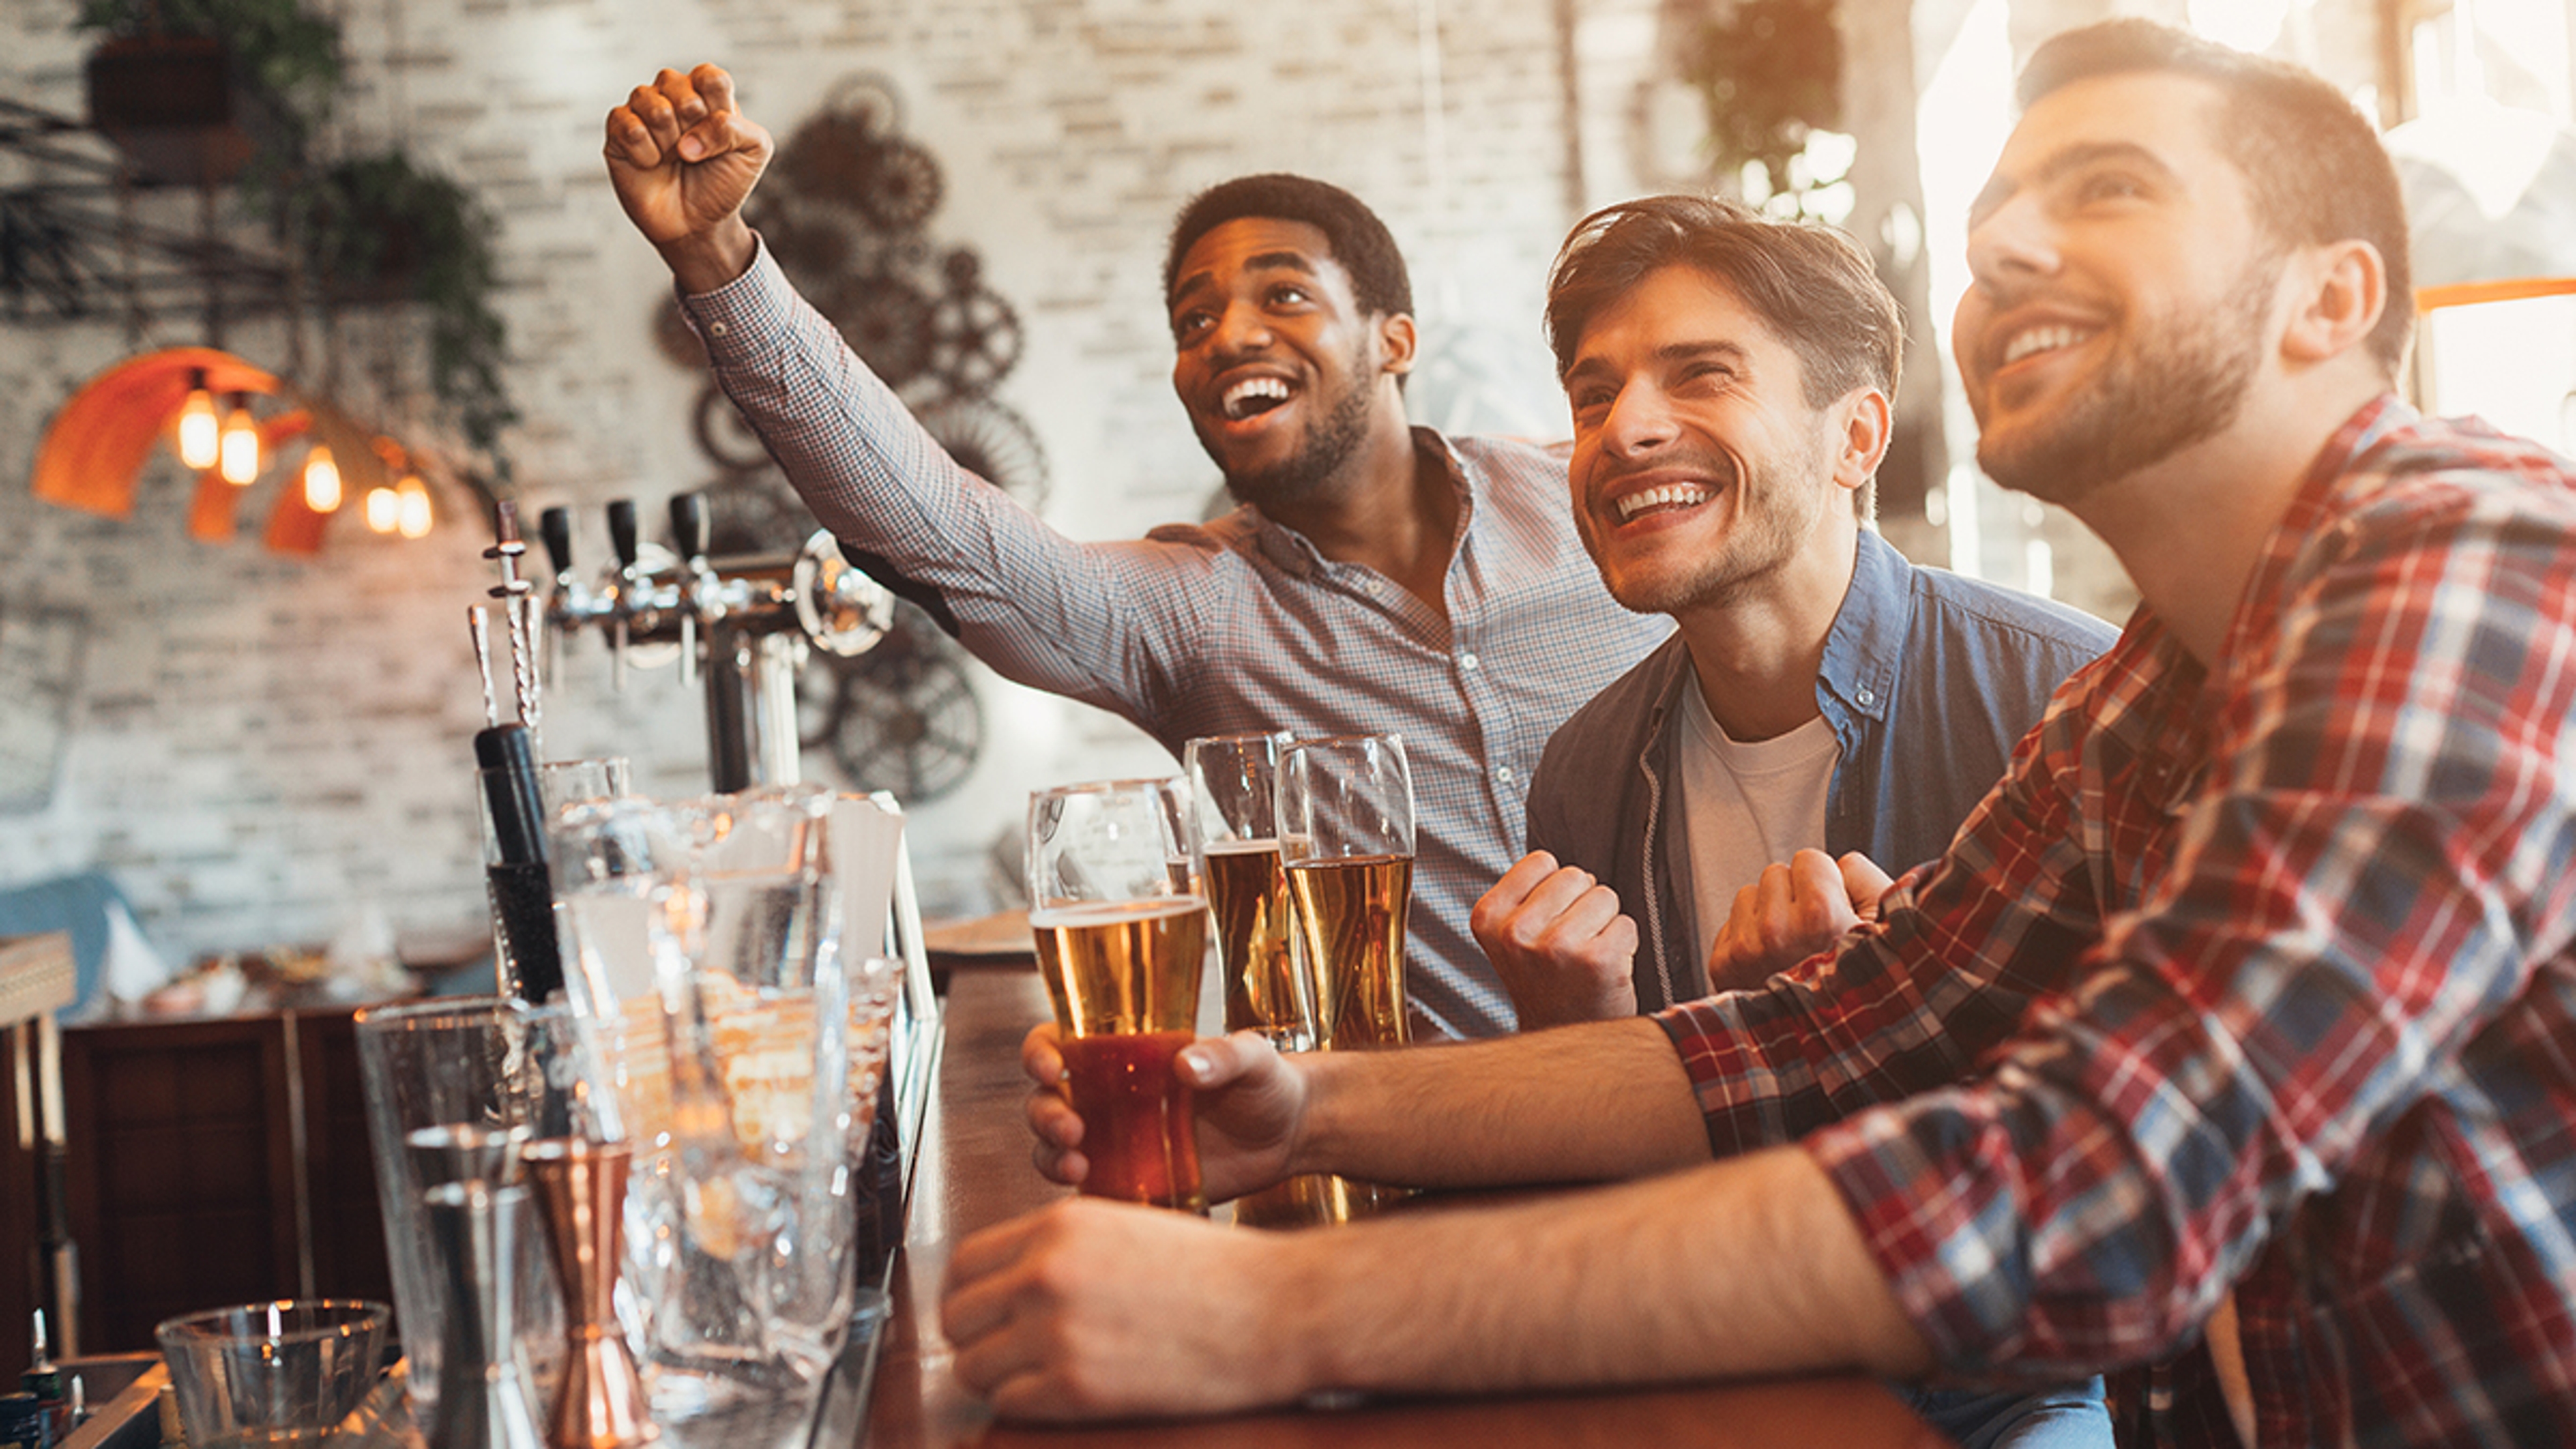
(703, 946)
(453, 1086)
(1233, 781)
(1121, 928)
(1345, 809)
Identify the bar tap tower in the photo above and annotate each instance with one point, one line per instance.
(738, 625)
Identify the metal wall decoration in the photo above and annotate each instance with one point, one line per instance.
(845, 211)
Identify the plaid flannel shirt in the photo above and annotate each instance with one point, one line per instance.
(1226, 627)
(2256, 974)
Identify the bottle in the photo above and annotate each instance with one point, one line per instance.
(24, 1423)
(43, 1380)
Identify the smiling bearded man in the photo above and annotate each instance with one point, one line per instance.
(1381, 578)
(1730, 379)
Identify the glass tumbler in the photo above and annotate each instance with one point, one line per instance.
(453, 1086)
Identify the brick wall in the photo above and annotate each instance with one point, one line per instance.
(256, 743)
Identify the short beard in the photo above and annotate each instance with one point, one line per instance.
(2182, 385)
(1328, 447)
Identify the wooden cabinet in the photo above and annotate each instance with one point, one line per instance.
(217, 1162)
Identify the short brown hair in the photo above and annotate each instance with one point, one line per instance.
(1814, 287)
(2314, 168)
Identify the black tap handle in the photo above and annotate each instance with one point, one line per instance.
(621, 530)
(689, 525)
(555, 527)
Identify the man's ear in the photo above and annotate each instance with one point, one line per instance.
(2337, 294)
(1863, 422)
(1397, 340)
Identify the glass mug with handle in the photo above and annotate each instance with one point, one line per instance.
(1113, 870)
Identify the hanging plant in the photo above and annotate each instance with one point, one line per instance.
(1769, 72)
(384, 230)
(369, 230)
(286, 59)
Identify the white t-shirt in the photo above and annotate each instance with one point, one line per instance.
(1745, 806)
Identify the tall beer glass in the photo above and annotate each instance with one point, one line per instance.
(1345, 810)
(1121, 927)
(1268, 989)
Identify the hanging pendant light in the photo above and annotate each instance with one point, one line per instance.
(384, 510)
(240, 443)
(321, 480)
(199, 428)
(412, 518)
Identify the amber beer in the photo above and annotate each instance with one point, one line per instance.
(1124, 977)
(1266, 987)
(1351, 911)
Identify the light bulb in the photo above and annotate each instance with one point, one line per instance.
(384, 510)
(240, 443)
(321, 480)
(198, 425)
(412, 519)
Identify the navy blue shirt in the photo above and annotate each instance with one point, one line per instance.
(1928, 680)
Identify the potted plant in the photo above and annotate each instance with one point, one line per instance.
(215, 90)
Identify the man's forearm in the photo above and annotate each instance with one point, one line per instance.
(1751, 1266)
(1586, 1103)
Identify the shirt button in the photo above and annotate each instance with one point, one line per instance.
(1466, 661)
(719, 329)
(1868, 698)
(1503, 773)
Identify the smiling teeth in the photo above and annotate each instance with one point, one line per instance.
(1250, 388)
(1669, 494)
(2041, 339)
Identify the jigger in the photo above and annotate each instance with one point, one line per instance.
(581, 1189)
(483, 1393)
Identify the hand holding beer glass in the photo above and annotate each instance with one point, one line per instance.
(1345, 810)
(1121, 928)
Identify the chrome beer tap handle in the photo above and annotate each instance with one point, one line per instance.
(621, 538)
(698, 607)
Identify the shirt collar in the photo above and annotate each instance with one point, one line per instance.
(1867, 641)
(2309, 507)
(1297, 553)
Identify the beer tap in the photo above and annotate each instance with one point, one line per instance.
(697, 581)
(740, 625)
(570, 601)
(621, 599)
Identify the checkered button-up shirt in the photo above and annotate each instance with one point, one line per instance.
(2259, 975)
(1231, 626)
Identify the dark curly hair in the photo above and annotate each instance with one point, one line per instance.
(1359, 241)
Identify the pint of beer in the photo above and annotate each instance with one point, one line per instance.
(1121, 932)
(1345, 809)
(1268, 985)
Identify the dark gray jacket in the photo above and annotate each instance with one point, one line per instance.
(1929, 678)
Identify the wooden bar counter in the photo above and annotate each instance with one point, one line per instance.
(975, 1170)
